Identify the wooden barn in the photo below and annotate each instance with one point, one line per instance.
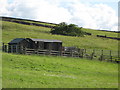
(16, 45)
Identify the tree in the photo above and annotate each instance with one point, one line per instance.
(70, 30)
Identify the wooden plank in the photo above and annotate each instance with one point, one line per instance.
(41, 53)
(54, 51)
(27, 49)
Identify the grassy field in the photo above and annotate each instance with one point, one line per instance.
(23, 71)
(14, 30)
(40, 23)
(94, 32)
(98, 32)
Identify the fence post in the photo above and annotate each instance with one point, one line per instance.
(81, 53)
(71, 53)
(110, 55)
(60, 52)
(34, 51)
(101, 57)
(21, 49)
(92, 55)
(25, 51)
(49, 52)
(84, 52)
(3, 47)
(16, 49)
(11, 48)
(37, 51)
(63, 52)
(78, 52)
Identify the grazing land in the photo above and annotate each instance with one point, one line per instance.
(32, 71)
(14, 30)
(23, 71)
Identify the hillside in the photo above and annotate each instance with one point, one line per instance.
(32, 71)
(11, 30)
(23, 71)
(50, 25)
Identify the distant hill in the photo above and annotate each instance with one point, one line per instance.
(12, 19)
(15, 28)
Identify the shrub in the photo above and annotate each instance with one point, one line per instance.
(70, 30)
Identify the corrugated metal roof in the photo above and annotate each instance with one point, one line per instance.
(45, 40)
(16, 40)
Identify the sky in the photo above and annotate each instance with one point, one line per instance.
(94, 14)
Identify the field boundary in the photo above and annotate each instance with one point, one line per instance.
(91, 54)
(20, 21)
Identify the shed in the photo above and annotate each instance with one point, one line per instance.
(47, 44)
(16, 45)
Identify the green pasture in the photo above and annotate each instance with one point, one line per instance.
(12, 30)
(98, 32)
(31, 71)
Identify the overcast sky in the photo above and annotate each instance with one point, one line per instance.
(95, 14)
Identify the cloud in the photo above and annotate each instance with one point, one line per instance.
(95, 16)
(98, 16)
(37, 9)
(3, 7)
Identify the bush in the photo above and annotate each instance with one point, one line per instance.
(70, 30)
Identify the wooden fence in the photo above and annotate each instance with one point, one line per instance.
(102, 55)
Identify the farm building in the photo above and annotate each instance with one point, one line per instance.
(16, 45)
